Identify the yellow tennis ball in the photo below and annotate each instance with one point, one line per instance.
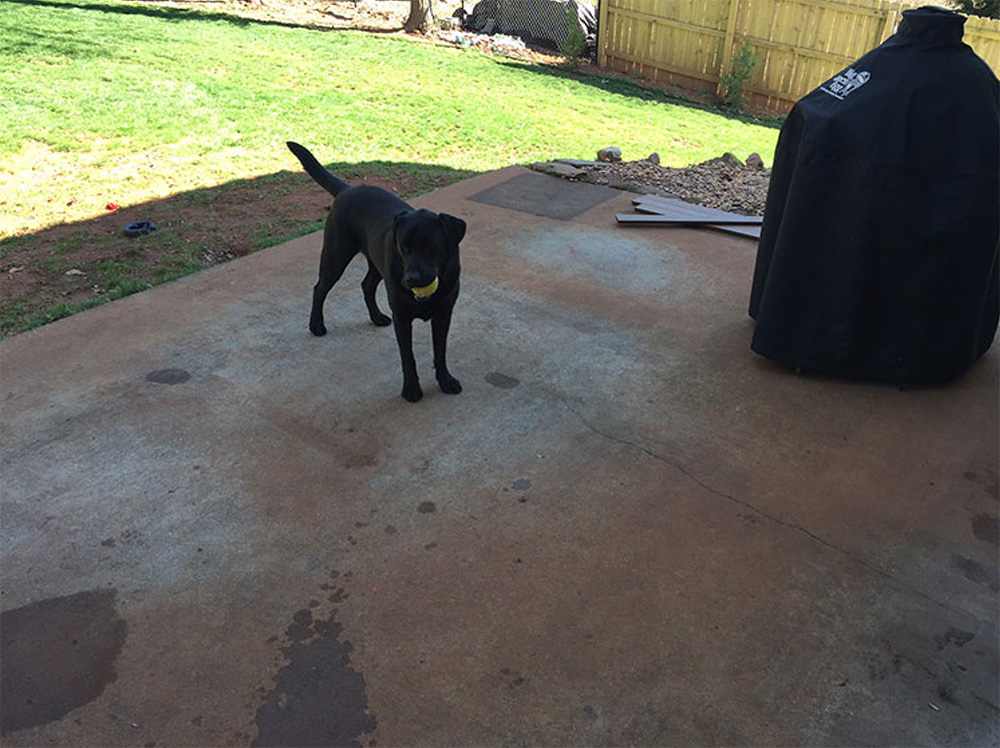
(422, 293)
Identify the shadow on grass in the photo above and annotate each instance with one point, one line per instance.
(184, 14)
(68, 268)
(611, 83)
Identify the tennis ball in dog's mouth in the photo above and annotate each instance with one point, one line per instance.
(425, 291)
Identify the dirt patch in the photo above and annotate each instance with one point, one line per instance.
(364, 15)
(64, 268)
(375, 16)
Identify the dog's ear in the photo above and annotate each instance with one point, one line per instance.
(396, 220)
(454, 228)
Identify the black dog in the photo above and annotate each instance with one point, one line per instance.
(414, 251)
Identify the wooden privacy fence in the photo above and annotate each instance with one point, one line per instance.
(799, 44)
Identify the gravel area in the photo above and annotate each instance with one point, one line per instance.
(724, 183)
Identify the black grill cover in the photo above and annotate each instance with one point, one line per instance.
(878, 253)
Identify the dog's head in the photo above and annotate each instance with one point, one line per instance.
(427, 243)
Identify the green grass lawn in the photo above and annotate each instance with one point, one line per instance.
(104, 101)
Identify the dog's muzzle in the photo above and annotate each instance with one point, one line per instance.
(425, 291)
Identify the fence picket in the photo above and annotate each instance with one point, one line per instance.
(800, 43)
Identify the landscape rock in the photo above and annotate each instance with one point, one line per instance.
(508, 46)
(653, 158)
(731, 159)
(578, 162)
(714, 184)
(611, 155)
(754, 161)
(559, 169)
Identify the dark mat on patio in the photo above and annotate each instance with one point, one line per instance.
(542, 195)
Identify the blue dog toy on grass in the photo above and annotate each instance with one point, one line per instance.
(139, 229)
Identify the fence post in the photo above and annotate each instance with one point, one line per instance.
(602, 33)
(728, 45)
(891, 13)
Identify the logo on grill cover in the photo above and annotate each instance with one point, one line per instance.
(844, 84)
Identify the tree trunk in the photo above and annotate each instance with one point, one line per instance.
(421, 16)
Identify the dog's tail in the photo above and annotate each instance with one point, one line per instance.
(315, 169)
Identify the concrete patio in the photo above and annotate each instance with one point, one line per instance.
(628, 529)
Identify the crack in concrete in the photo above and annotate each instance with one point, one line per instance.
(776, 520)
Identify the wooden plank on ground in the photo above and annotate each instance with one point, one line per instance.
(664, 211)
(673, 206)
(663, 220)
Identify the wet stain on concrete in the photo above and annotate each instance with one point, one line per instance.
(57, 655)
(917, 663)
(946, 693)
(168, 376)
(992, 488)
(976, 572)
(360, 459)
(883, 662)
(301, 628)
(521, 484)
(427, 507)
(504, 382)
(953, 637)
(990, 483)
(987, 528)
(318, 699)
(338, 596)
(512, 677)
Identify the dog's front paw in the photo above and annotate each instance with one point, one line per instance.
(412, 392)
(449, 385)
(381, 320)
(317, 328)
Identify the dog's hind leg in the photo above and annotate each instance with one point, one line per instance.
(368, 286)
(333, 261)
